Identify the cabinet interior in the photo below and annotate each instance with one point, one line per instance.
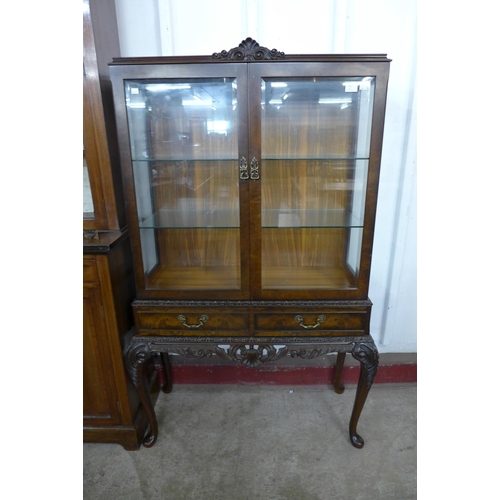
(313, 166)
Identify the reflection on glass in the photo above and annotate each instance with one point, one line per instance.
(184, 119)
(184, 148)
(315, 153)
(88, 204)
(316, 117)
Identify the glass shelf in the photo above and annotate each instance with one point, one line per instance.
(310, 218)
(180, 160)
(206, 159)
(186, 219)
(318, 158)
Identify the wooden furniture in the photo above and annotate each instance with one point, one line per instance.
(104, 207)
(111, 408)
(251, 182)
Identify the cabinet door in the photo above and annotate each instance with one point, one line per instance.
(315, 143)
(103, 207)
(184, 149)
(100, 401)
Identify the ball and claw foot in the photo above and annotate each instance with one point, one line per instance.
(357, 441)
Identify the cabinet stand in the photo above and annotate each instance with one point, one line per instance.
(252, 353)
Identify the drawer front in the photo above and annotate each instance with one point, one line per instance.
(311, 323)
(192, 323)
(90, 276)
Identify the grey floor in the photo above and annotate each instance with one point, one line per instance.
(265, 442)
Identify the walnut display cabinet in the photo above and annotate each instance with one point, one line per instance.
(251, 181)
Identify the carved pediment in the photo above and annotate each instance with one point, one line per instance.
(248, 50)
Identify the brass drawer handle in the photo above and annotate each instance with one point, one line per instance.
(243, 169)
(254, 169)
(300, 320)
(202, 319)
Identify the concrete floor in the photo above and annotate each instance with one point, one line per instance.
(265, 442)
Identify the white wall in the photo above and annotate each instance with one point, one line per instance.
(201, 27)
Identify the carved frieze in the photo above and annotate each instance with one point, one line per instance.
(157, 342)
(252, 303)
(314, 352)
(190, 352)
(248, 355)
(256, 351)
(252, 355)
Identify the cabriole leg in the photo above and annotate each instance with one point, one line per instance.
(337, 381)
(367, 355)
(136, 358)
(167, 386)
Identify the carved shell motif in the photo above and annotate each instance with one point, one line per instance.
(248, 50)
(251, 356)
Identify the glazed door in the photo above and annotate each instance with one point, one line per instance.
(314, 133)
(186, 138)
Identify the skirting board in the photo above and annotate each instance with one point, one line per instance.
(393, 368)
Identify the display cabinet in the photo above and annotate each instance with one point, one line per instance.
(251, 182)
(103, 204)
(112, 411)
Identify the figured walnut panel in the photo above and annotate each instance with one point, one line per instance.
(199, 247)
(305, 131)
(196, 278)
(99, 393)
(189, 322)
(307, 278)
(317, 323)
(90, 276)
(305, 184)
(299, 247)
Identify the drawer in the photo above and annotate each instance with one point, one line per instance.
(311, 323)
(90, 275)
(192, 323)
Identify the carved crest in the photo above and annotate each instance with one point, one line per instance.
(248, 50)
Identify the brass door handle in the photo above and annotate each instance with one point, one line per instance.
(254, 169)
(300, 320)
(202, 319)
(243, 169)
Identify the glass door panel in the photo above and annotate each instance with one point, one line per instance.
(315, 151)
(184, 146)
